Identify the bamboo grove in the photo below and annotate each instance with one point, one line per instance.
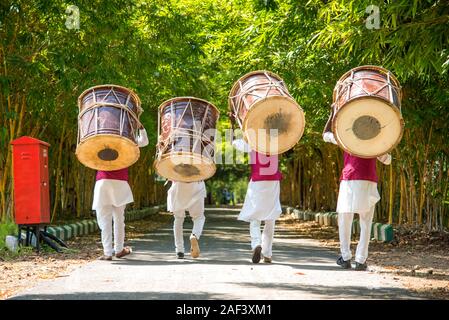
(199, 48)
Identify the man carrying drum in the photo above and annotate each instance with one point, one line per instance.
(358, 194)
(185, 156)
(262, 200)
(182, 197)
(111, 195)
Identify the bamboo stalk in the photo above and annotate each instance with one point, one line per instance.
(402, 198)
(59, 170)
(424, 178)
(390, 207)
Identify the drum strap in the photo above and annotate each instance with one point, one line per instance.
(328, 126)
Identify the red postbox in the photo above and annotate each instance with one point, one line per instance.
(31, 183)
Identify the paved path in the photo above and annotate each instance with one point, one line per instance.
(301, 270)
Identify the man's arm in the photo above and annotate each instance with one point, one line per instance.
(328, 136)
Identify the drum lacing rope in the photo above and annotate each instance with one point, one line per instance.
(181, 132)
(111, 104)
(124, 109)
(236, 112)
(184, 133)
(271, 84)
(355, 82)
(390, 90)
(194, 125)
(130, 93)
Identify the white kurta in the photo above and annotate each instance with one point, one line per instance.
(262, 197)
(185, 196)
(117, 193)
(261, 201)
(357, 196)
(111, 192)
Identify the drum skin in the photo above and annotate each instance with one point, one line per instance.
(367, 118)
(271, 119)
(184, 152)
(107, 127)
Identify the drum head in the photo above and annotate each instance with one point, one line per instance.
(107, 152)
(185, 167)
(368, 127)
(283, 116)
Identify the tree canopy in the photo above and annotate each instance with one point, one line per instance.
(164, 49)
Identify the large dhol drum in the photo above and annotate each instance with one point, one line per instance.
(367, 111)
(186, 146)
(108, 123)
(270, 118)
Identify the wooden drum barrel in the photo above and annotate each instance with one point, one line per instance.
(270, 118)
(108, 123)
(186, 146)
(367, 118)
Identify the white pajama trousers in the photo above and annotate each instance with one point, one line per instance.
(178, 227)
(344, 231)
(106, 215)
(265, 240)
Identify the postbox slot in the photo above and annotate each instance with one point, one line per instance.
(25, 155)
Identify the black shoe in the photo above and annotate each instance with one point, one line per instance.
(344, 264)
(180, 255)
(257, 254)
(361, 266)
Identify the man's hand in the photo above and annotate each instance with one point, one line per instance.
(385, 158)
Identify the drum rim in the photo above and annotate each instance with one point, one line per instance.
(396, 110)
(139, 102)
(191, 155)
(107, 135)
(233, 89)
(104, 135)
(245, 121)
(166, 102)
(368, 67)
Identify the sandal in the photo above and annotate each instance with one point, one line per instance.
(103, 257)
(124, 252)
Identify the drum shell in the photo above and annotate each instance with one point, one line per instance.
(184, 153)
(174, 114)
(367, 87)
(369, 79)
(257, 80)
(260, 101)
(122, 96)
(108, 119)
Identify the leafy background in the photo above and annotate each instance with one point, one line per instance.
(164, 49)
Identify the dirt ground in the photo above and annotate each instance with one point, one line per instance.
(24, 270)
(418, 259)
